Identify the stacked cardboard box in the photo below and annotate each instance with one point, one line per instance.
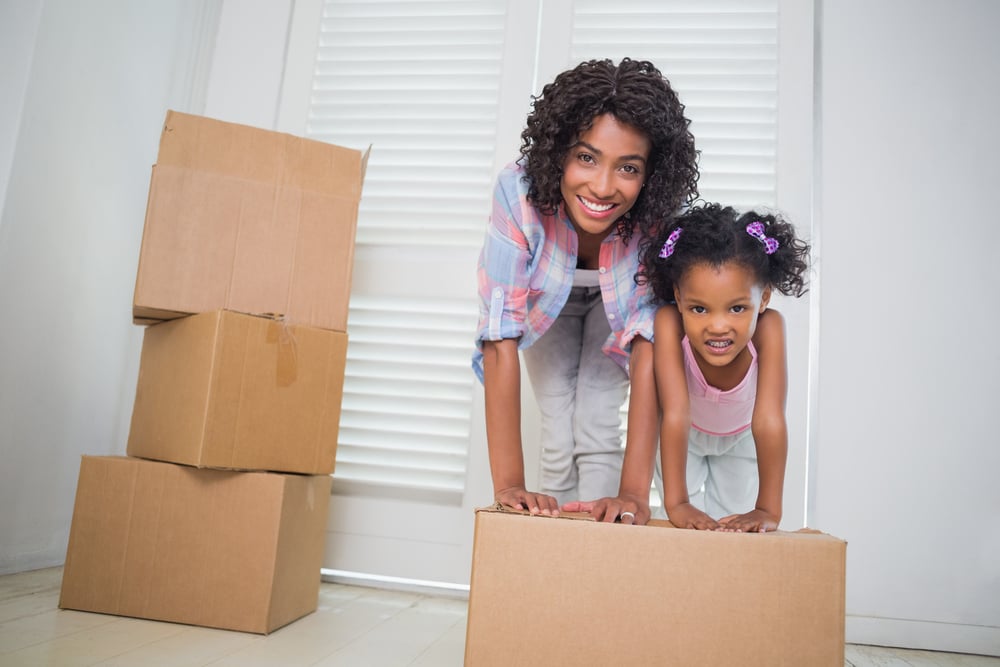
(217, 515)
(571, 591)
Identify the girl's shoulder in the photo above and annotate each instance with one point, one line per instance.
(771, 319)
(770, 333)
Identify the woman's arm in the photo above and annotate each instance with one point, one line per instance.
(770, 431)
(502, 385)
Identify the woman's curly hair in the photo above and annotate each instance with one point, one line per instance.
(636, 94)
(716, 235)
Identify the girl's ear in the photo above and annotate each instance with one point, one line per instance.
(677, 295)
(765, 298)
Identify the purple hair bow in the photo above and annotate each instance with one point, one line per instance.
(668, 247)
(756, 230)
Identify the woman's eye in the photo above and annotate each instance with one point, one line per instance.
(630, 169)
(585, 157)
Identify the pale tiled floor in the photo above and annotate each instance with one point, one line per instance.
(356, 627)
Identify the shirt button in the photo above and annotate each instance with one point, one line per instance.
(497, 292)
(611, 316)
(603, 269)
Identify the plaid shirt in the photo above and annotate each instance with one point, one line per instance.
(526, 271)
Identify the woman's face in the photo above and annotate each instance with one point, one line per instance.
(603, 174)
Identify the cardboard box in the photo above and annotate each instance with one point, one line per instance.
(250, 220)
(567, 591)
(233, 550)
(227, 390)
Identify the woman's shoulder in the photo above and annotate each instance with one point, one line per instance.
(513, 176)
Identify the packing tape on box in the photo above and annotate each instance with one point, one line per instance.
(287, 369)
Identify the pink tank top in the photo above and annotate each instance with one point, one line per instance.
(719, 412)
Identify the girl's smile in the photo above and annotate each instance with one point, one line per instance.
(719, 306)
(603, 175)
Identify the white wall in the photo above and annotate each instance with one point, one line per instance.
(18, 27)
(85, 92)
(907, 454)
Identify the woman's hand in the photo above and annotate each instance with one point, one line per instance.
(686, 515)
(626, 509)
(757, 521)
(536, 503)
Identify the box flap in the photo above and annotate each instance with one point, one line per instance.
(206, 144)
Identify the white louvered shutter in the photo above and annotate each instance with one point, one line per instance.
(419, 82)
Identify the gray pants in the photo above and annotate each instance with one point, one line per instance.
(579, 391)
(722, 476)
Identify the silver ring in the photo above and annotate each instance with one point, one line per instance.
(622, 516)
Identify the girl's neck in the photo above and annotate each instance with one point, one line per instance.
(725, 378)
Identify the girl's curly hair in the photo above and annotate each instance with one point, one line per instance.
(716, 235)
(636, 94)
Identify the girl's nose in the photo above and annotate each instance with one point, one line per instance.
(718, 325)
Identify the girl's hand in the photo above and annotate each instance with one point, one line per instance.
(625, 509)
(687, 515)
(757, 521)
(536, 503)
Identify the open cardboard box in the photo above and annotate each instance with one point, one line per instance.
(572, 591)
(229, 390)
(250, 220)
(234, 550)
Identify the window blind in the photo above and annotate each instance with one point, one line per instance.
(721, 56)
(419, 82)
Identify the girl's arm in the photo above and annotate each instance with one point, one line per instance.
(502, 385)
(671, 385)
(770, 431)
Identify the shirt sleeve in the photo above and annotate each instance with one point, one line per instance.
(503, 274)
(642, 308)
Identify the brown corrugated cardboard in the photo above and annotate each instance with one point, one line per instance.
(567, 591)
(250, 220)
(228, 390)
(240, 551)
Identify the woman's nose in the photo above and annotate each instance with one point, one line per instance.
(602, 183)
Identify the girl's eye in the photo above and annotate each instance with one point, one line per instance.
(738, 309)
(698, 309)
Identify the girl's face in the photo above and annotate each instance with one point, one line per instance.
(719, 306)
(603, 175)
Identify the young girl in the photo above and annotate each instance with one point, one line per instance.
(606, 157)
(723, 437)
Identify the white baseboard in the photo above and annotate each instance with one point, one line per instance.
(395, 583)
(926, 635)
